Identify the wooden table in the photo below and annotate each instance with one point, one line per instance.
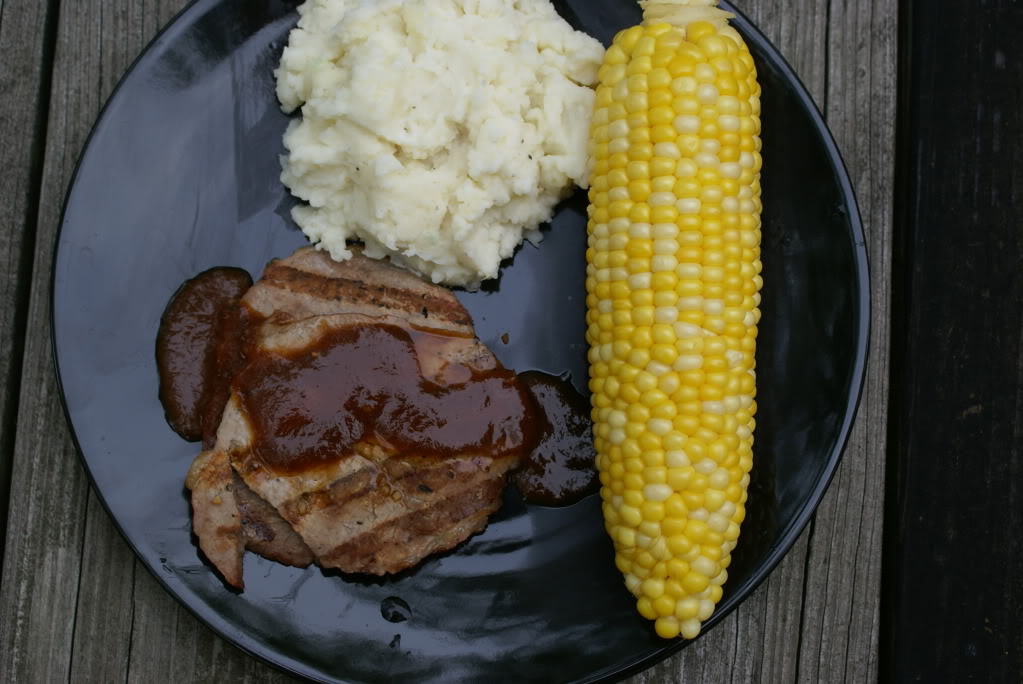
(76, 605)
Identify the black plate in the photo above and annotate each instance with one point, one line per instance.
(181, 174)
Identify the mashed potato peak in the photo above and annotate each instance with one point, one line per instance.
(438, 132)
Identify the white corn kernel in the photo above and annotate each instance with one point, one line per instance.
(659, 426)
(666, 314)
(639, 230)
(641, 281)
(656, 492)
(668, 150)
(687, 124)
(688, 206)
(688, 362)
(677, 459)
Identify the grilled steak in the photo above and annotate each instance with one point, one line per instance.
(265, 531)
(215, 516)
(376, 508)
(228, 518)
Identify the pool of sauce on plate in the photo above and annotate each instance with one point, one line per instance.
(233, 342)
(364, 383)
(187, 341)
(561, 468)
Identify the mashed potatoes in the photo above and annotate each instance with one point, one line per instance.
(438, 132)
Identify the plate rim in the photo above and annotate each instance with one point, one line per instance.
(854, 394)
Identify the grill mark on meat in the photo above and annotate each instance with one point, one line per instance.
(310, 283)
(354, 290)
(364, 553)
(400, 504)
(348, 494)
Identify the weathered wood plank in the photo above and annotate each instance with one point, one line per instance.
(103, 615)
(48, 495)
(26, 45)
(839, 639)
(954, 556)
(169, 645)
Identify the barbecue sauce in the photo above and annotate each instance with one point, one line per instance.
(561, 469)
(187, 341)
(233, 342)
(364, 383)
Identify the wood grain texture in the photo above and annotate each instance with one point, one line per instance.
(169, 645)
(103, 615)
(839, 635)
(26, 44)
(954, 561)
(73, 563)
(48, 494)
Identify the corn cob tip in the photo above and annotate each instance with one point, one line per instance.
(682, 13)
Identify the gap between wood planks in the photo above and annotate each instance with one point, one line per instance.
(26, 52)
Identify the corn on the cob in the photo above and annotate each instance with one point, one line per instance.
(673, 282)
